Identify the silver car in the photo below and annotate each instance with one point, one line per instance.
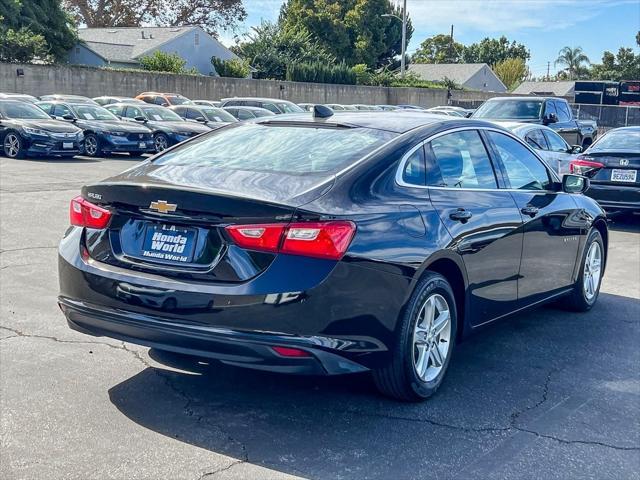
(549, 145)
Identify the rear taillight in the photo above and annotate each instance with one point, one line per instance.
(291, 352)
(584, 167)
(86, 214)
(328, 240)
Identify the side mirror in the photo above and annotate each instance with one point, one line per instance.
(140, 119)
(575, 149)
(201, 120)
(574, 183)
(68, 117)
(550, 118)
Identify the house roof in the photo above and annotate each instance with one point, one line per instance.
(558, 89)
(126, 44)
(458, 72)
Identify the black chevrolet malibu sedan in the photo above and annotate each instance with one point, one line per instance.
(351, 242)
(27, 130)
(104, 133)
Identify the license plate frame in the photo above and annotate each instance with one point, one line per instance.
(67, 145)
(624, 176)
(164, 243)
(142, 145)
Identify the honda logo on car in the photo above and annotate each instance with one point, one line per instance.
(624, 162)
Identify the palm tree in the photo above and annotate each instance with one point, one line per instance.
(572, 59)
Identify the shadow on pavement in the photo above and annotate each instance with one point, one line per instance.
(625, 223)
(339, 427)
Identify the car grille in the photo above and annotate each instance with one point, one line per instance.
(64, 136)
(136, 137)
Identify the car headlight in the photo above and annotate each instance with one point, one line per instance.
(35, 131)
(80, 136)
(184, 134)
(117, 134)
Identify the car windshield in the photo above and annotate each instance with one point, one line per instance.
(278, 148)
(510, 109)
(621, 140)
(161, 114)
(178, 100)
(217, 114)
(289, 107)
(21, 110)
(92, 112)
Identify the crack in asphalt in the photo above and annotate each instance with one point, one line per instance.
(220, 470)
(26, 248)
(190, 412)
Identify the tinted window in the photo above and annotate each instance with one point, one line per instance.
(61, 110)
(178, 100)
(270, 106)
(278, 148)
(230, 103)
(463, 161)
(244, 114)
(556, 143)
(47, 107)
(536, 139)
(133, 112)
(160, 101)
(180, 111)
(21, 110)
(510, 109)
(563, 111)
(550, 108)
(524, 170)
(192, 113)
(414, 168)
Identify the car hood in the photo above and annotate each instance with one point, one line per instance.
(56, 126)
(178, 127)
(111, 126)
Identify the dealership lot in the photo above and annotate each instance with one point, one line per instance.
(548, 394)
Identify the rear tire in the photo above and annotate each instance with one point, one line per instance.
(424, 343)
(13, 145)
(587, 287)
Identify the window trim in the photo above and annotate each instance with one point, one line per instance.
(401, 165)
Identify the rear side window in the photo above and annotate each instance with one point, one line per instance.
(556, 143)
(462, 160)
(160, 101)
(535, 139)
(523, 169)
(414, 169)
(278, 148)
(116, 110)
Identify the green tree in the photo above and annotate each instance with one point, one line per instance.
(160, 61)
(625, 65)
(574, 60)
(235, 67)
(511, 72)
(211, 15)
(271, 47)
(494, 50)
(351, 30)
(21, 45)
(438, 49)
(45, 18)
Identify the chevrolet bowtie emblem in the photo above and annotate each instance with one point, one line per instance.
(163, 207)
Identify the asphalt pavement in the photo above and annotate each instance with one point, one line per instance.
(546, 394)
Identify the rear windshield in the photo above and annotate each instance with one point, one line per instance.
(178, 100)
(622, 140)
(278, 148)
(21, 110)
(510, 109)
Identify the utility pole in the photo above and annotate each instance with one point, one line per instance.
(451, 46)
(404, 37)
(548, 66)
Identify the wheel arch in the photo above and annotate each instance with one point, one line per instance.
(600, 224)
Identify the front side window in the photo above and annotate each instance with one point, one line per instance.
(133, 112)
(462, 160)
(61, 110)
(524, 170)
(556, 143)
(46, 107)
(115, 109)
(563, 112)
(550, 108)
(535, 139)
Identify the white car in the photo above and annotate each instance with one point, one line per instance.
(549, 145)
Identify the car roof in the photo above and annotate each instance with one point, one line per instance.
(395, 121)
(247, 107)
(530, 97)
(261, 99)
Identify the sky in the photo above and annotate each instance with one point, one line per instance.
(544, 26)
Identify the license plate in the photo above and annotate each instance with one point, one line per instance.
(67, 144)
(142, 145)
(618, 175)
(168, 243)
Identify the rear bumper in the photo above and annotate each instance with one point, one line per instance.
(344, 316)
(245, 349)
(616, 197)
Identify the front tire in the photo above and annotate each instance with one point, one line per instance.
(13, 145)
(425, 342)
(161, 142)
(92, 146)
(587, 287)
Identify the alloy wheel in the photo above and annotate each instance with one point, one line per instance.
(91, 146)
(11, 145)
(432, 337)
(160, 143)
(592, 271)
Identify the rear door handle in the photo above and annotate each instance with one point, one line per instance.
(461, 215)
(530, 210)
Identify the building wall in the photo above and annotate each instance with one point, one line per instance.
(486, 81)
(81, 55)
(198, 52)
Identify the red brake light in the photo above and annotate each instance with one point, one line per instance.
(85, 214)
(328, 240)
(583, 167)
(290, 352)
